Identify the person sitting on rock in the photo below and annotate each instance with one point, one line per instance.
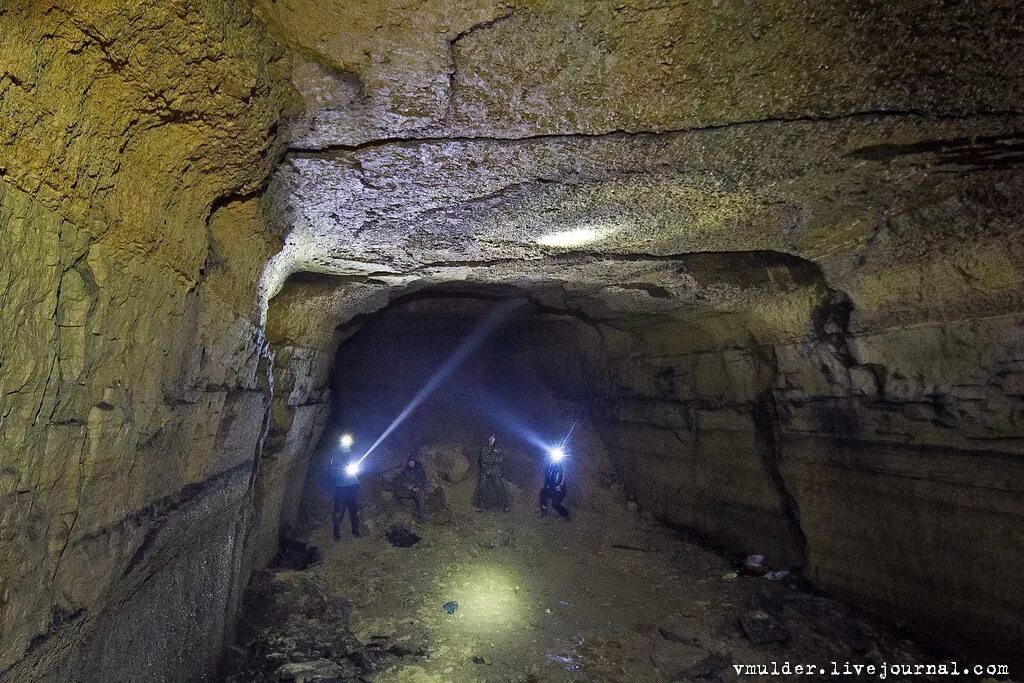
(346, 494)
(491, 492)
(411, 483)
(553, 489)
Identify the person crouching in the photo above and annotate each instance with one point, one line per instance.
(553, 489)
(411, 483)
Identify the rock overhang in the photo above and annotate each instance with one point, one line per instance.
(437, 143)
(426, 210)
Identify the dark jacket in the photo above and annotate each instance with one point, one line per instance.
(554, 475)
(415, 476)
(342, 479)
(345, 480)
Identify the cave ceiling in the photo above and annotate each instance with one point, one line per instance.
(593, 147)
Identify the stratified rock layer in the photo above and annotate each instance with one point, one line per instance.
(134, 371)
(802, 260)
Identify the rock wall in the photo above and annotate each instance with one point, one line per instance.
(303, 329)
(134, 139)
(906, 468)
(884, 462)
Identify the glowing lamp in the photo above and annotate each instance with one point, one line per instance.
(352, 469)
(557, 454)
(346, 441)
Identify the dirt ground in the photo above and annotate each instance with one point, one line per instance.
(608, 596)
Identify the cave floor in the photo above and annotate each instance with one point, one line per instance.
(609, 596)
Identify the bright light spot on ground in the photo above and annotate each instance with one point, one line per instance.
(569, 238)
(347, 441)
(489, 596)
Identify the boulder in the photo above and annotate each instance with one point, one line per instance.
(448, 460)
(437, 507)
(761, 627)
(671, 656)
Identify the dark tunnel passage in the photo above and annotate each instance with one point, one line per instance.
(499, 364)
(527, 377)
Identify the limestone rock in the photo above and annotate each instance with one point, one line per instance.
(671, 656)
(448, 460)
(316, 671)
(761, 627)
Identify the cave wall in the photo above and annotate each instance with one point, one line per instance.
(885, 462)
(303, 330)
(904, 460)
(134, 140)
(685, 404)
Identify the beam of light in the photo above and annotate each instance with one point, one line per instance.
(496, 412)
(569, 238)
(352, 469)
(557, 453)
(469, 344)
(347, 441)
(568, 434)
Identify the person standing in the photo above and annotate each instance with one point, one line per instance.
(491, 492)
(411, 483)
(553, 488)
(346, 494)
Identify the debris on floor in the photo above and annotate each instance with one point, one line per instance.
(536, 602)
(709, 667)
(316, 671)
(295, 555)
(400, 537)
(293, 630)
(288, 622)
(680, 628)
(753, 565)
(761, 627)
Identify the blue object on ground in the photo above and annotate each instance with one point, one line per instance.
(450, 606)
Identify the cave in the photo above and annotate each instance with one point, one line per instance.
(756, 270)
